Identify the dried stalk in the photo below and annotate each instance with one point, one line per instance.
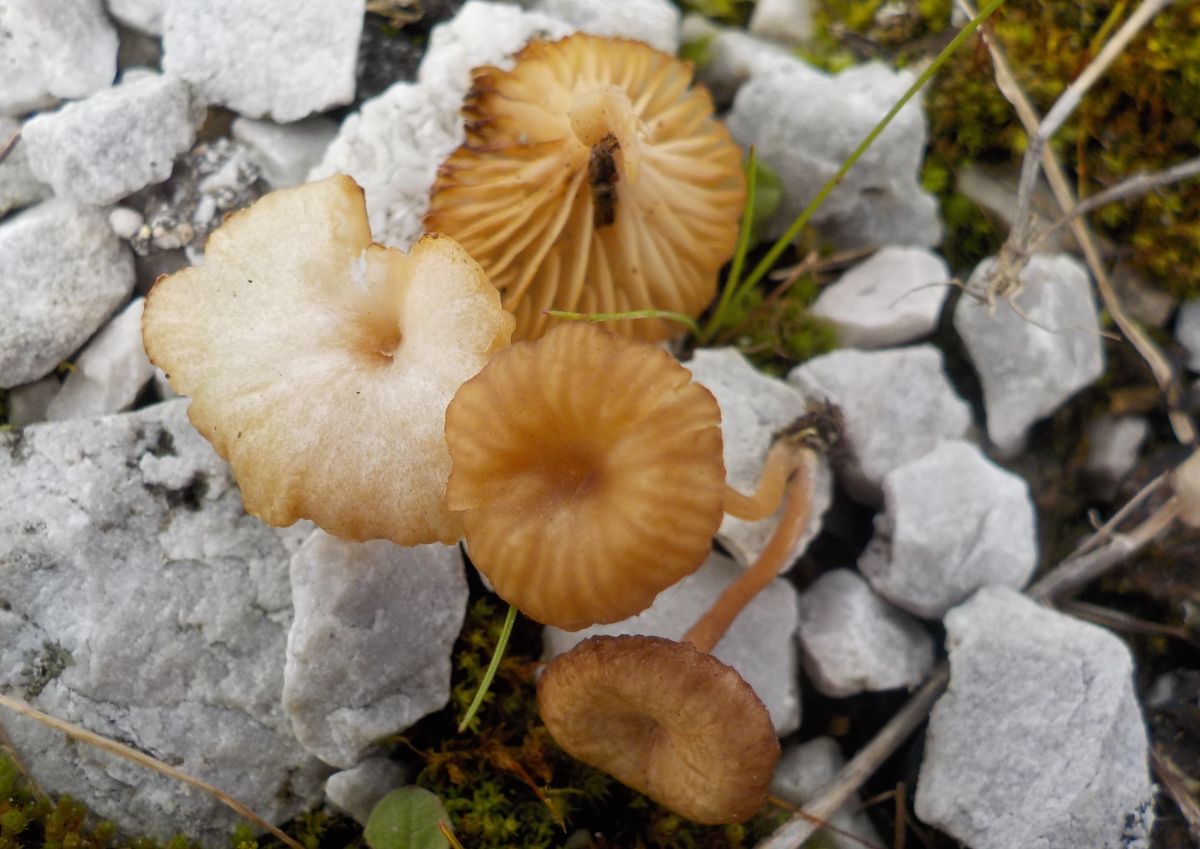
(1174, 781)
(1068, 101)
(1159, 366)
(1132, 187)
(92, 739)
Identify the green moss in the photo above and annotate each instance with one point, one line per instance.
(734, 12)
(775, 330)
(1144, 115)
(506, 784)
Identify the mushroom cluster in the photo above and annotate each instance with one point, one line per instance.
(593, 179)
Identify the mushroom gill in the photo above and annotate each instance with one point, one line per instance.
(593, 179)
(320, 365)
(667, 720)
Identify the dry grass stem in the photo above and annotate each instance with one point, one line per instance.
(1160, 367)
(1062, 109)
(845, 784)
(1175, 782)
(1135, 186)
(92, 739)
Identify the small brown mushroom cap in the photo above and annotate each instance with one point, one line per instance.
(589, 473)
(667, 720)
(320, 365)
(593, 178)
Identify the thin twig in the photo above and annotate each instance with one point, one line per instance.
(846, 783)
(10, 749)
(1104, 532)
(1131, 187)
(1159, 366)
(92, 739)
(1062, 109)
(9, 146)
(1175, 783)
(1070, 575)
(1115, 620)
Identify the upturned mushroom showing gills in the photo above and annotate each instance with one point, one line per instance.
(593, 179)
(320, 365)
(667, 720)
(588, 472)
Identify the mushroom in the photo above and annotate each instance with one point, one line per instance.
(320, 365)
(588, 474)
(593, 179)
(667, 718)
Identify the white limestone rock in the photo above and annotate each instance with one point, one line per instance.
(142, 603)
(787, 21)
(953, 522)
(897, 405)
(759, 644)
(369, 649)
(393, 146)
(62, 274)
(1031, 358)
(892, 298)
(1038, 743)
(482, 33)
(880, 201)
(53, 49)
(1113, 445)
(265, 58)
(1187, 331)
(97, 151)
(357, 790)
(18, 185)
(110, 371)
(731, 56)
(28, 404)
(285, 153)
(143, 15)
(855, 642)
(754, 407)
(656, 22)
(803, 773)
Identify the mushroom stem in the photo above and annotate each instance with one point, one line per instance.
(711, 627)
(781, 460)
(606, 113)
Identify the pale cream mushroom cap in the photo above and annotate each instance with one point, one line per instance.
(589, 472)
(594, 178)
(320, 365)
(667, 720)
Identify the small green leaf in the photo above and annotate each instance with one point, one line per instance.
(407, 818)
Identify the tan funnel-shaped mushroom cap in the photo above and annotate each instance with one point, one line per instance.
(320, 365)
(589, 474)
(665, 719)
(593, 179)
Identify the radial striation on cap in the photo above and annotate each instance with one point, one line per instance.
(588, 472)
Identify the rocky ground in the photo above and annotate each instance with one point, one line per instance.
(138, 600)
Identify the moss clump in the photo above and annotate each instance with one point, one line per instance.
(775, 329)
(1144, 115)
(506, 784)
